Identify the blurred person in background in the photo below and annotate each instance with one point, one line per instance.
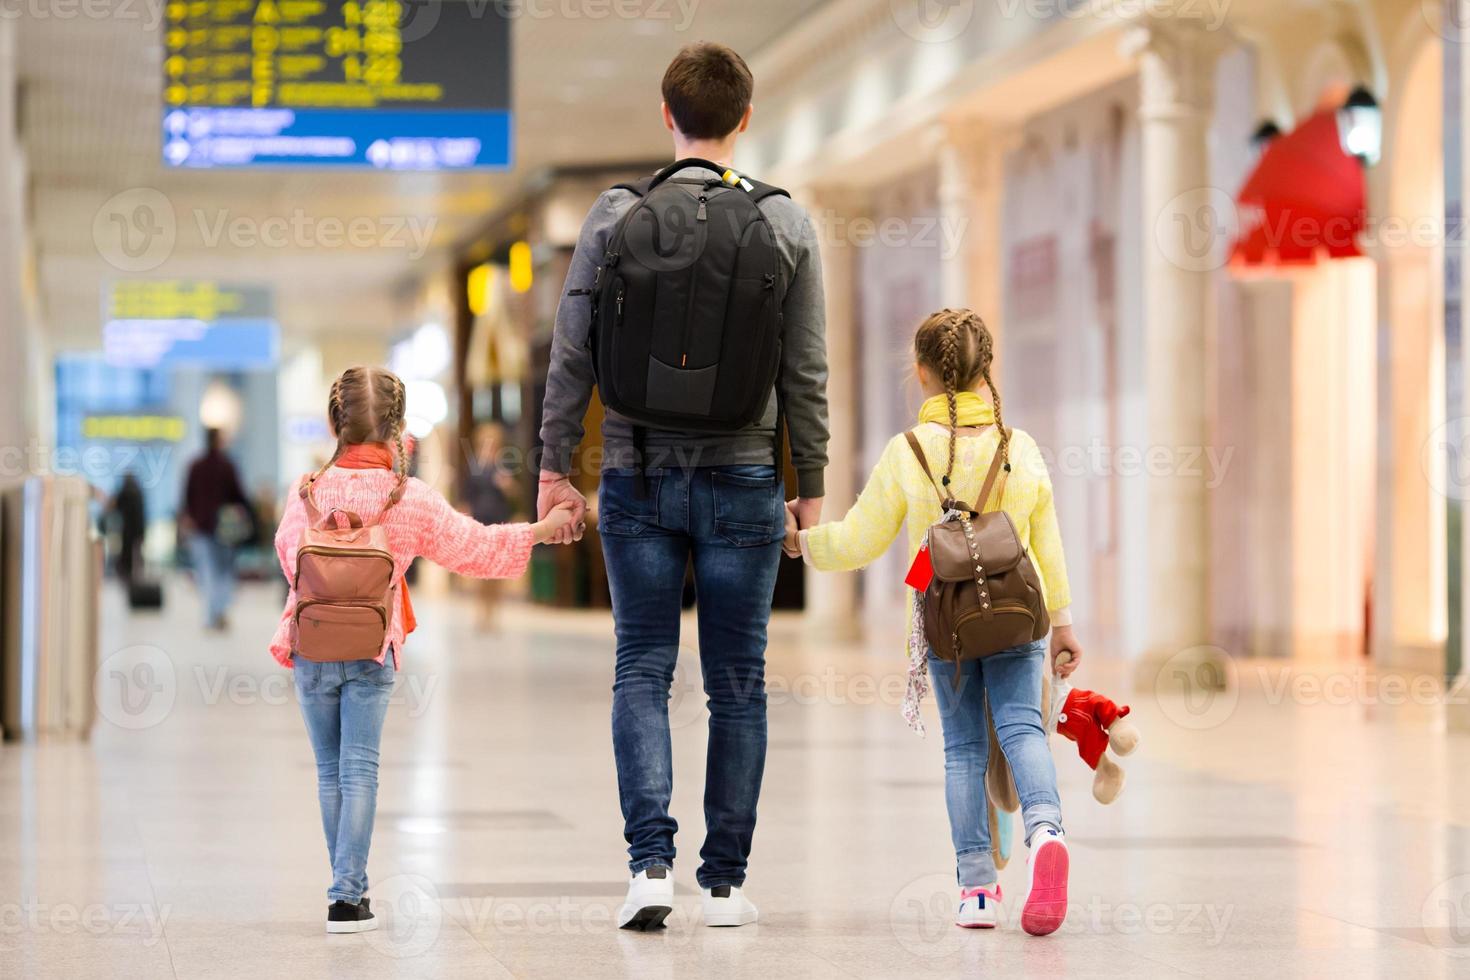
(128, 508)
(488, 490)
(216, 519)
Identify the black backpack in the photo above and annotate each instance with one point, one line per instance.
(686, 310)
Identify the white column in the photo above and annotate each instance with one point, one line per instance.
(19, 364)
(1182, 218)
(971, 158)
(955, 201)
(832, 598)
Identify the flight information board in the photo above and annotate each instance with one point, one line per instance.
(200, 323)
(387, 84)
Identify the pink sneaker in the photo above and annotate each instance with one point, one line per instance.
(1046, 903)
(979, 908)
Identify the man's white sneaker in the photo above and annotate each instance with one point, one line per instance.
(979, 908)
(649, 902)
(724, 905)
(1046, 901)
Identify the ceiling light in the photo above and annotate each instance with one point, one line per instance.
(1360, 126)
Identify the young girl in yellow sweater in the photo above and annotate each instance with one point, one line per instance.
(961, 421)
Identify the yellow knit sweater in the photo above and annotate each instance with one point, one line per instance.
(898, 492)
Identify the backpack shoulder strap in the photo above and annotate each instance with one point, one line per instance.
(913, 441)
(313, 515)
(759, 191)
(990, 479)
(639, 188)
(946, 502)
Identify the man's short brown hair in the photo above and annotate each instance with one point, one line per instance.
(707, 88)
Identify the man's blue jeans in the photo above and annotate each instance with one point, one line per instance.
(214, 572)
(728, 521)
(344, 705)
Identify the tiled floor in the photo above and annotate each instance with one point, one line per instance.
(1282, 831)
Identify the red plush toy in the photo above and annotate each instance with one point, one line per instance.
(1096, 724)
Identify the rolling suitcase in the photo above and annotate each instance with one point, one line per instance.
(145, 593)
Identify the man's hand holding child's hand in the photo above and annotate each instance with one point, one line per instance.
(792, 545)
(550, 527)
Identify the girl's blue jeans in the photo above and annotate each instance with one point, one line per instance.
(344, 705)
(1011, 681)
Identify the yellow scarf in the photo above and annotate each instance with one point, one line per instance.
(973, 410)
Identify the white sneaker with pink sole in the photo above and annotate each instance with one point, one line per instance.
(979, 908)
(1046, 901)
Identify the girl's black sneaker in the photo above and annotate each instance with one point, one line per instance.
(346, 917)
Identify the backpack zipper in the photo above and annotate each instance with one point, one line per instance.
(687, 338)
(303, 604)
(316, 549)
(996, 608)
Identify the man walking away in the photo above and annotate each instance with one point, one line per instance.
(694, 302)
(216, 519)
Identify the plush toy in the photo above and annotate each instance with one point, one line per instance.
(1093, 721)
(1096, 723)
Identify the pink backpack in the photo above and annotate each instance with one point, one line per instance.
(344, 586)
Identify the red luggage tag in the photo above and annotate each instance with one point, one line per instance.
(921, 572)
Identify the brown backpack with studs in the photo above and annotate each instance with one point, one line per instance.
(985, 595)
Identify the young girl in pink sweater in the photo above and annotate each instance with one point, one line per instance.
(344, 702)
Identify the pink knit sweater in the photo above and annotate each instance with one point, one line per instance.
(422, 523)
